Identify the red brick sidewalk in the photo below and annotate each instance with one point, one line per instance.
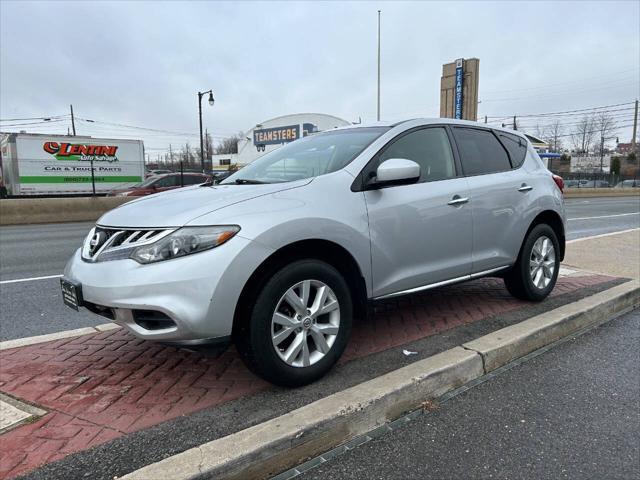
(101, 386)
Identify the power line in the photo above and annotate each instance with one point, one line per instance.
(33, 118)
(561, 112)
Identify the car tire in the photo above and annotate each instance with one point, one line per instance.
(536, 270)
(282, 339)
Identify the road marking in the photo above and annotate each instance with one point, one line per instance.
(14, 412)
(605, 216)
(32, 279)
(603, 235)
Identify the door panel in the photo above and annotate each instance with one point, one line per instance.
(416, 237)
(498, 211)
(498, 197)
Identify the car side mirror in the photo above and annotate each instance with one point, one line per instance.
(396, 171)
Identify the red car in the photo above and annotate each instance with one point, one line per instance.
(161, 183)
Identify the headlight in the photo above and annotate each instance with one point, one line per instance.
(183, 242)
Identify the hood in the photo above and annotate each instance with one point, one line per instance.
(175, 208)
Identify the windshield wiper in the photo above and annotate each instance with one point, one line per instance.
(247, 181)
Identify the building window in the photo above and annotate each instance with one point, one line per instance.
(225, 161)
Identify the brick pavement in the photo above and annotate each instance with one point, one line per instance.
(101, 386)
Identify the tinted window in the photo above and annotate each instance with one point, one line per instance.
(516, 146)
(481, 151)
(169, 181)
(429, 148)
(193, 179)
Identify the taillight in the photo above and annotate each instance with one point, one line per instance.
(559, 182)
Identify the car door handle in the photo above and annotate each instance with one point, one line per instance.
(525, 188)
(458, 200)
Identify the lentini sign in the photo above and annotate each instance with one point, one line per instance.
(50, 165)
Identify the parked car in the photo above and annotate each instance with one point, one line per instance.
(282, 255)
(628, 184)
(160, 183)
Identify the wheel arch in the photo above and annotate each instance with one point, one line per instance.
(554, 220)
(319, 249)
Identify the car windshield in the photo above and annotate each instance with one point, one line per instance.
(308, 157)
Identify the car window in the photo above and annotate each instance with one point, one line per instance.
(516, 146)
(481, 151)
(308, 157)
(193, 179)
(429, 148)
(170, 181)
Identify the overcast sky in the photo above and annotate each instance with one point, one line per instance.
(141, 63)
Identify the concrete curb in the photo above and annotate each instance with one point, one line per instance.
(49, 337)
(505, 345)
(283, 442)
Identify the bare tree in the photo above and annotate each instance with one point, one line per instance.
(605, 128)
(583, 134)
(553, 135)
(228, 145)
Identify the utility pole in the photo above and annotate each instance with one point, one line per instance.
(601, 155)
(171, 156)
(515, 125)
(73, 122)
(378, 65)
(635, 129)
(485, 119)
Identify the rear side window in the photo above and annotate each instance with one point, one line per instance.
(481, 151)
(168, 181)
(516, 146)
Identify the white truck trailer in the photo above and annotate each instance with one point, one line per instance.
(37, 164)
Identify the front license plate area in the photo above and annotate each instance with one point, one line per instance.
(71, 293)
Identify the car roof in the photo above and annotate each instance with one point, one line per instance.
(431, 121)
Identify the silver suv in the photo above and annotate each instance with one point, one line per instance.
(282, 255)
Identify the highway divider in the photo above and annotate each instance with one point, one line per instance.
(24, 211)
(600, 192)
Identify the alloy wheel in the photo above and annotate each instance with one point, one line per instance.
(305, 323)
(542, 263)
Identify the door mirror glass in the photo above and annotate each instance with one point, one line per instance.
(397, 171)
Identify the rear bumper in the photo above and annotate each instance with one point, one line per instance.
(185, 301)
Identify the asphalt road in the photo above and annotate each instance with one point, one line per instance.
(34, 307)
(572, 412)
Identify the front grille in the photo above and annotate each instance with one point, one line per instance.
(116, 243)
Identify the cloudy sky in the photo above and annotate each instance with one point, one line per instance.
(141, 63)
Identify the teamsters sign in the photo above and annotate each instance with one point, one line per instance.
(276, 135)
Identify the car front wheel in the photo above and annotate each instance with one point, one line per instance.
(299, 325)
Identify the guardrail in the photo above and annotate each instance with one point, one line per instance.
(56, 210)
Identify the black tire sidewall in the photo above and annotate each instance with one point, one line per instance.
(263, 356)
(531, 291)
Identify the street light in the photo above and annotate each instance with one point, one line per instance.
(211, 101)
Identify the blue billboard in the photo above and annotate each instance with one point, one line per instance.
(459, 80)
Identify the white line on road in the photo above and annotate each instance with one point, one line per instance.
(603, 235)
(18, 280)
(606, 216)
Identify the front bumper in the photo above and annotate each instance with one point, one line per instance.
(197, 293)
